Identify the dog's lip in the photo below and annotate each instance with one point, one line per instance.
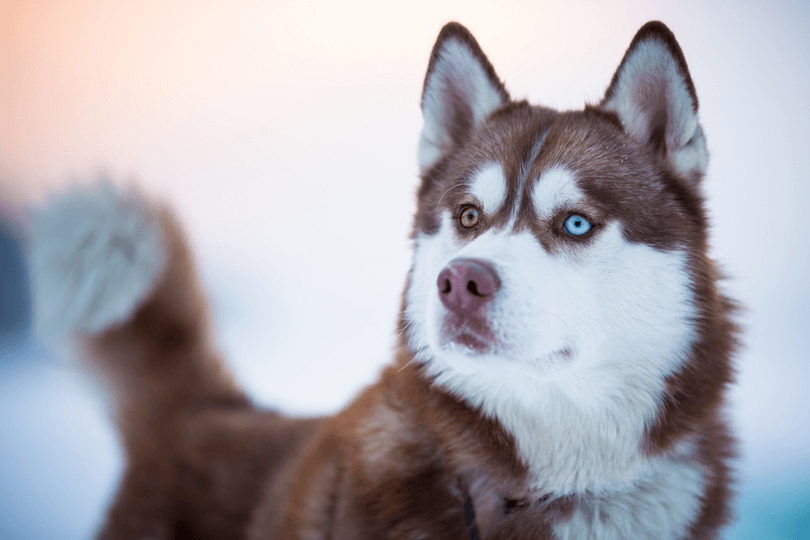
(562, 355)
(471, 332)
(473, 324)
(566, 353)
(553, 366)
(471, 341)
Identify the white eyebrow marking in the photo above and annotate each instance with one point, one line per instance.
(555, 188)
(489, 187)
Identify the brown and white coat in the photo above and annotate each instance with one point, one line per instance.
(551, 379)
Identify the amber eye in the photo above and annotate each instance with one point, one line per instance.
(469, 217)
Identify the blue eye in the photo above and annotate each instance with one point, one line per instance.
(577, 225)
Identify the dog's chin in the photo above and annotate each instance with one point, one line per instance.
(469, 345)
(469, 354)
(467, 333)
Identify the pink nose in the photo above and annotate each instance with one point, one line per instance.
(467, 284)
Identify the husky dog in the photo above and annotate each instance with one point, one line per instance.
(563, 354)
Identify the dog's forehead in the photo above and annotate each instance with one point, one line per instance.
(527, 166)
(542, 157)
(578, 158)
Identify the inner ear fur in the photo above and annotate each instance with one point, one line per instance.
(460, 90)
(654, 97)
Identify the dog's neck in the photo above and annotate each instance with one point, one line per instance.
(660, 504)
(584, 468)
(583, 433)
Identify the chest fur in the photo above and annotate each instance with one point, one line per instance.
(659, 505)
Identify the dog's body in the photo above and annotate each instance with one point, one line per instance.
(563, 348)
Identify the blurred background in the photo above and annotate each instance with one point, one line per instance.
(284, 134)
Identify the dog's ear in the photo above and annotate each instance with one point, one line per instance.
(460, 90)
(653, 95)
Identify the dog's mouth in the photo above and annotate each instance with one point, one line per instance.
(473, 337)
(470, 332)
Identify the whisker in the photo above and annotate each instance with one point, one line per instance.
(413, 359)
(404, 328)
(448, 191)
(408, 364)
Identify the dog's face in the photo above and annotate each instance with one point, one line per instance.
(557, 246)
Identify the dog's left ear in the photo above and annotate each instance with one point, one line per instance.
(461, 89)
(653, 95)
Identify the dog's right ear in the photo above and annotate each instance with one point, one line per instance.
(653, 95)
(461, 89)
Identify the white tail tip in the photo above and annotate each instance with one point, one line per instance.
(94, 255)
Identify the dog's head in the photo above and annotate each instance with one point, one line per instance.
(558, 247)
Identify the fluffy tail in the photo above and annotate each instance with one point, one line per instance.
(115, 272)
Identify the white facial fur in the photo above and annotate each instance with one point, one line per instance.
(555, 188)
(584, 340)
(489, 187)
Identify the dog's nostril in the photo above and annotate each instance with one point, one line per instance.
(465, 285)
(446, 287)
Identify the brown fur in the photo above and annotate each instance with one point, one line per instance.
(405, 459)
